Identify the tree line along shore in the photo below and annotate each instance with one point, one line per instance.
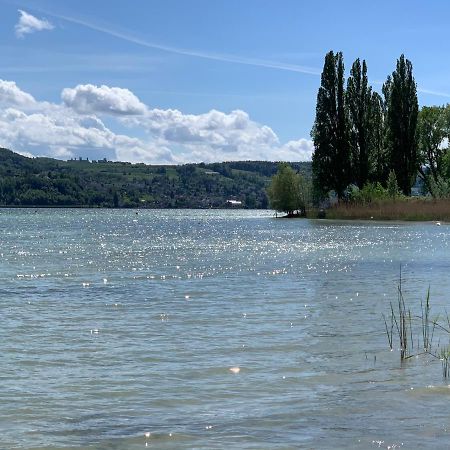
(47, 182)
(377, 156)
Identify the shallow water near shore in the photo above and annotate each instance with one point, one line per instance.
(118, 331)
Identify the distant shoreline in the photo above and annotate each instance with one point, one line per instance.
(47, 182)
(331, 215)
(131, 208)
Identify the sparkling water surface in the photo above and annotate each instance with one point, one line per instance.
(119, 329)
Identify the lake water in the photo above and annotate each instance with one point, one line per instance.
(116, 324)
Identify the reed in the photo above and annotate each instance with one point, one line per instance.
(390, 329)
(427, 338)
(445, 361)
(402, 324)
(402, 320)
(414, 209)
(409, 328)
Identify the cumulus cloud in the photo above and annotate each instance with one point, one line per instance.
(300, 150)
(28, 24)
(61, 135)
(75, 128)
(11, 95)
(87, 98)
(150, 153)
(227, 133)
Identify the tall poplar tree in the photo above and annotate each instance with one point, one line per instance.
(331, 160)
(401, 119)
(359, 104)
(378, 158)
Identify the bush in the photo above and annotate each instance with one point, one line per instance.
(369, 193)
(392, 188)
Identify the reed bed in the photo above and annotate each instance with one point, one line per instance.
(416, 209)
(405, 328)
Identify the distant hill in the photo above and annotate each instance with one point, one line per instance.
(51, 182)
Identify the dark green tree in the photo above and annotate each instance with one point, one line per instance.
(431, 131)
(401, 120)
(115, 200)
(331, 160)
(359, 104)
(378, 158)
(392, 185)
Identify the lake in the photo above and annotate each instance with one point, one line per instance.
(117, 324)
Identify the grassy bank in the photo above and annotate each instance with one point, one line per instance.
(419, 209)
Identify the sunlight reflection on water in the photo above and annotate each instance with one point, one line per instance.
(115, 325)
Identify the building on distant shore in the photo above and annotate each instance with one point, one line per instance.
(234, 203)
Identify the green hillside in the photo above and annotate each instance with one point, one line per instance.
(50, 182)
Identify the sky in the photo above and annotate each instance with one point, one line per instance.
(177, 81)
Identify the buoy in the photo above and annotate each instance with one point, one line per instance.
(235, 369)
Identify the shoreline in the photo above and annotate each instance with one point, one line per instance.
(313, 216)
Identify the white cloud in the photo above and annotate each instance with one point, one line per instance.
(11, 95)
(150, 153)
(216, 129)
(300, 150)
(28, 24)
(26, 154)
(76, 128)
(87, 98)
(58, 133)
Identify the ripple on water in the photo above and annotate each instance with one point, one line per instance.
(212, 329)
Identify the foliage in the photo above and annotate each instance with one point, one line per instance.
(369, 193)
(439, 188)
(393, 191)
(401, 118)
(359, 104)
(49, 182)
(359, 136)
(331, 159)
(378, 157)
(374, 191)
(288, 191)
(432, 130)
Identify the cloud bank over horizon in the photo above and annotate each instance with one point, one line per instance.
(77, 126)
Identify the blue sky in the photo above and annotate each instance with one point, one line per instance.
(190, 80)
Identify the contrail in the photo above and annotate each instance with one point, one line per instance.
(186, 52)
(234, 59)
(421, 90)
(437, 94)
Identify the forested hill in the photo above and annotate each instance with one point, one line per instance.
(50, 182)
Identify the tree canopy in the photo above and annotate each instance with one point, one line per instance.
(360, 136)
(401, 119)
(49, 182)
(433, 129)
(288, 191)
(332, 158)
